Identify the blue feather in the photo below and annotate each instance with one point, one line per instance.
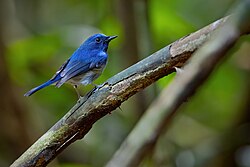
(49, 82)
(84, 66)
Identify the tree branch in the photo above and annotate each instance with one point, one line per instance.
(96, 104)
(161, 112)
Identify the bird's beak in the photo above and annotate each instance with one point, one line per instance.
(111, 38)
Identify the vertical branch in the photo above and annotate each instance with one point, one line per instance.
(130, 48)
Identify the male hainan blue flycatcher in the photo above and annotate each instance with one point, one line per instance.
(84, 66)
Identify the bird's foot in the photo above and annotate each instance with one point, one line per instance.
(77, 91)
(97, 87)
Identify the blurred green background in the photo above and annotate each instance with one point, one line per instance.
(37, 36)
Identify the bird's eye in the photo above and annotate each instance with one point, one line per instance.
(98, 40)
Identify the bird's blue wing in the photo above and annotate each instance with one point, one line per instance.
(57, 74)
(73, 69)
(78, 66)
(72, 66)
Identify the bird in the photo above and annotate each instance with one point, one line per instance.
(84, 66)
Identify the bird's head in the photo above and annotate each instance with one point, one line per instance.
(98, 42)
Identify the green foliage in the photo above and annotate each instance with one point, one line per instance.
(220, 98)
(168, 24)
(30, 52)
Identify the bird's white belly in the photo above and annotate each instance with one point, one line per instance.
(86, 78)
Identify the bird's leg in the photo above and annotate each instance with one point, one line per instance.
(78, 93)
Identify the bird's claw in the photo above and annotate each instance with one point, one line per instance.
(97, 87)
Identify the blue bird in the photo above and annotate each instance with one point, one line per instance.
(84, 66)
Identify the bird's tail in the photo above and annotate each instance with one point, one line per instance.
(49, 82)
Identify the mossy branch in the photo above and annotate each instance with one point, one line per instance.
(96, 104)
